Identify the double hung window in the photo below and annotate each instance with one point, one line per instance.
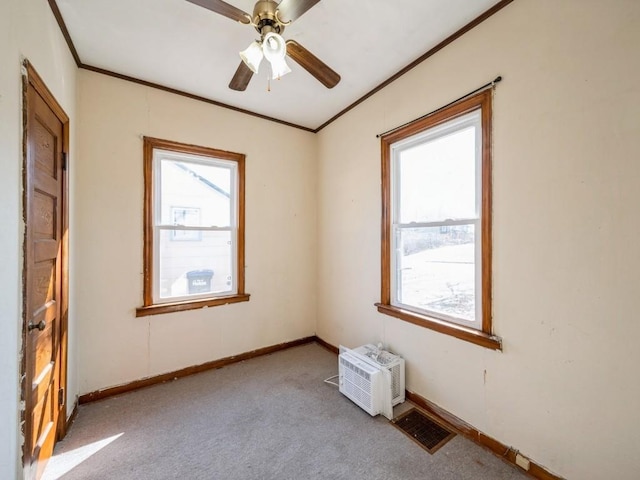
(436, 252)
(194, 227)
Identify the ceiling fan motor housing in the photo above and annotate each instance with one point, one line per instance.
(265, 17)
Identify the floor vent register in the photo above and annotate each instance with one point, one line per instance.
(427, 433)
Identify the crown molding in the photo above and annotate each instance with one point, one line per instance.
(469, 26)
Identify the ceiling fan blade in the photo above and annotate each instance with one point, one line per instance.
(293, 9)
(223, 8)
(241, 78)
(312, 64)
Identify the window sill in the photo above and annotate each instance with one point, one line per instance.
(190, 305)
(463, 333)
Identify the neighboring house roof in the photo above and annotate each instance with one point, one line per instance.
(200, 178)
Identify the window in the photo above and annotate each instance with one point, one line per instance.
(193, 227)
(436, 228)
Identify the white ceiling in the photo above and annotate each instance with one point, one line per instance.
(182, 46)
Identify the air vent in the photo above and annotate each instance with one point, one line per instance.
(423, 430)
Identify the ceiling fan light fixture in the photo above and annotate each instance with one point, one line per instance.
(279, 68)
(273, 46)
(275, 51)
(252, 56)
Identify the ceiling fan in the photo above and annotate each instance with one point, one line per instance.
(270, 19)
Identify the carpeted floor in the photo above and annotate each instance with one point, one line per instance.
(272, 417)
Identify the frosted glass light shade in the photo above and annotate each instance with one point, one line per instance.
(252, 56)
(279, 68)
(273, 46)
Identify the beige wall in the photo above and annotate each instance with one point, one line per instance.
(566, 192)
(27, 29)
(116, 346)
(566, 173)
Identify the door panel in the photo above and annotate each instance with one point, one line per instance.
(44, 190)
(42, 283)
(44, 220)
(46, 140)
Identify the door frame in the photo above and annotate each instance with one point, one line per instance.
(30, 77)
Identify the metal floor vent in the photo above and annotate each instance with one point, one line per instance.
(422, 430)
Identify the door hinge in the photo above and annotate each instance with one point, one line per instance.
(64, 160)
(61, 397)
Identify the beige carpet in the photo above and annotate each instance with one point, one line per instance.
(267, 418)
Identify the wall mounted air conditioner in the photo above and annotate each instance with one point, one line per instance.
(372, 378)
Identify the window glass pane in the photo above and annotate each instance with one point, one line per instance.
(437, 270)
(200, 265)
(194, 194)
(437, 178)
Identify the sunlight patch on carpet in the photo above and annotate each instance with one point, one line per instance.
(63, 463)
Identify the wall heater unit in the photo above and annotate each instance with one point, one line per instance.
(372, 378)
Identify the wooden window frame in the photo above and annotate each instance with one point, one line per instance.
(484, 336)
(149, 308)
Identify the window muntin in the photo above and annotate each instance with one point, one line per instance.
(436, 185)
(194, 227)
(440, 209)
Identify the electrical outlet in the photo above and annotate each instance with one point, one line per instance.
(522, 461)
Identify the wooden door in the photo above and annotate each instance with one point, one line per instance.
(44, 283)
